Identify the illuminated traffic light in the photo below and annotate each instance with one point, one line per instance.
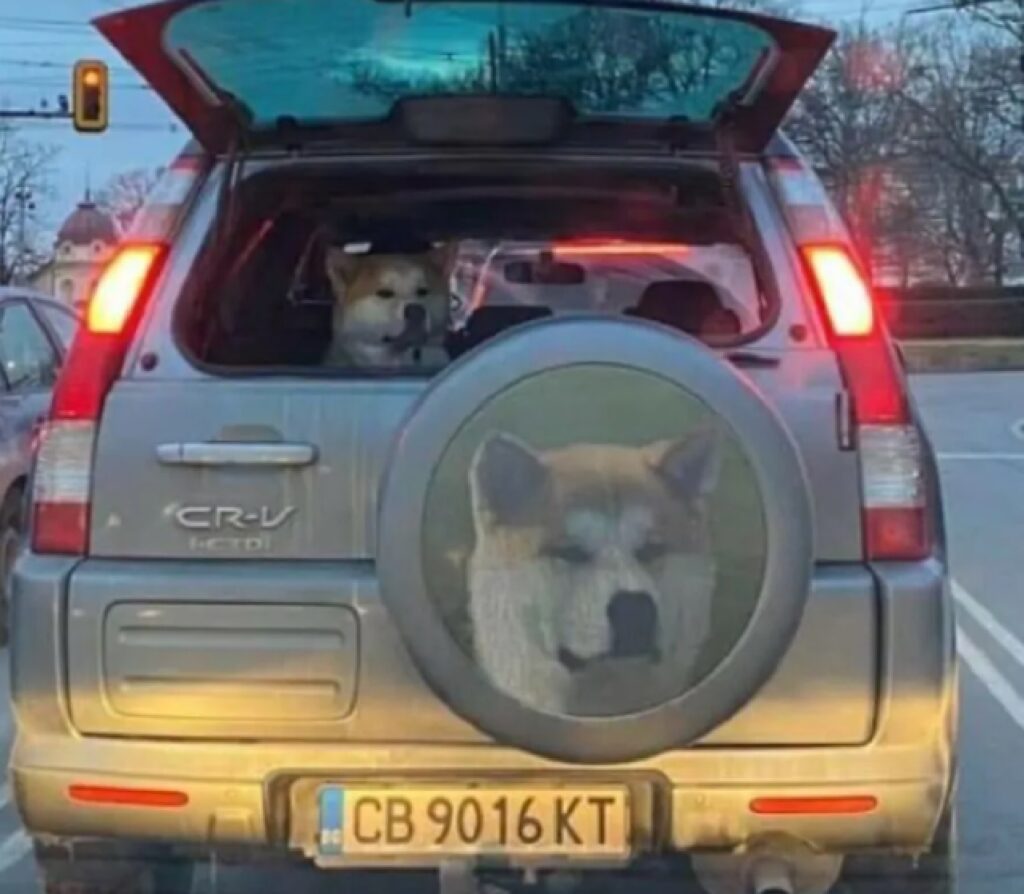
(91, 91)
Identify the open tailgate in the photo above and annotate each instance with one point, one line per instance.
(258, 71)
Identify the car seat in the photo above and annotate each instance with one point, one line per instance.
(491, 320)
(689, 305)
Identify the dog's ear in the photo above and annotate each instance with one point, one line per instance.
(442, 257)
(690, 465)
(506, 477)
(339, 266)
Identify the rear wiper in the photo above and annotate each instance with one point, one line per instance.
(752, 359)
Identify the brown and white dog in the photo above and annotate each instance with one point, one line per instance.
(390, 310)
(592, 575)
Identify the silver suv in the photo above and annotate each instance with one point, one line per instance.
(484, 455)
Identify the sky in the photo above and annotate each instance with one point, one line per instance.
(41, 39)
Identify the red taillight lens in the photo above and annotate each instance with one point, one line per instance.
(844, 293)
(119, 287)
(62, 481)
(895, 517)
(867, 358)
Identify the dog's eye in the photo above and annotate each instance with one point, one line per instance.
(385, 293)
(569, 553)
(651, 552)
(422, 292)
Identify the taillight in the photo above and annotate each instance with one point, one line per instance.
(62, 481)
(844, 293)
(893, 492)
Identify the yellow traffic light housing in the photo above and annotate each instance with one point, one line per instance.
(91, 92)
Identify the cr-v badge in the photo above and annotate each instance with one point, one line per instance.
(231, 529)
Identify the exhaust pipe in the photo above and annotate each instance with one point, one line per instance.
(771, 876)
(777, 864)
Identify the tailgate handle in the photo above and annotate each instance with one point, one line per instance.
(236, 453)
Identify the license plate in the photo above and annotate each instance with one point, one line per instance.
(438, 822)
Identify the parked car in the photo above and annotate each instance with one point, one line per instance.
(35, 333)
(484, 455)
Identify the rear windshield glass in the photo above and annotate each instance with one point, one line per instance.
(323, 60)
(319, 276)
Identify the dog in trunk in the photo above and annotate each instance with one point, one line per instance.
(390, 310)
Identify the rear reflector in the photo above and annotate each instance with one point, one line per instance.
(833, 804)
(119, 288)
(844, 293)
(138, 797)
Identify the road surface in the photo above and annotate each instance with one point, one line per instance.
(977, 424)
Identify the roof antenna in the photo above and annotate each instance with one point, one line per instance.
(88, 184)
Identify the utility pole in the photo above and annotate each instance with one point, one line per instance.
(23, 198)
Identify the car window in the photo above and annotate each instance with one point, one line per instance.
(29, 360)
(63, 322)
(411, 285)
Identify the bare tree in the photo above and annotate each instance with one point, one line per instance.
(966, 124)
(125, 193)
(1005, 16)
(25, 169)
(852, 121)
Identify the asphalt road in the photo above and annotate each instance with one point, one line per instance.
(977, 425)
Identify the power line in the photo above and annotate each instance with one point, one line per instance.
(34, 22)
(53, 84)
(56, 126)
(64, 66)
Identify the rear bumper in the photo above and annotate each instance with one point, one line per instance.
(686, 801)
(243, 792)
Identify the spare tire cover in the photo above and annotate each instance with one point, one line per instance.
(595, 538)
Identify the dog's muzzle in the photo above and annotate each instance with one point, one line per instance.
(415, 330)
(633, 616)
(633, 619)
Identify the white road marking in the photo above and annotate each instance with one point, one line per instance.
(14, 848)
(988, 622)
(981, 457)
(999, 687)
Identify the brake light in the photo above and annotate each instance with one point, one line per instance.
(893, 493)
(119, 288)
(62, 482)
(617, 249)
(844, 293)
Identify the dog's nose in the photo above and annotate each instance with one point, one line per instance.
(634, 621)
(415, 314)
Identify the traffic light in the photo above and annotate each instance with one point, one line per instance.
(91, 92)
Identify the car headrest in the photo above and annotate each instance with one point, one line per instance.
(490, 320)
(690, 305)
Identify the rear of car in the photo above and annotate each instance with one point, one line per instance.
(204, 654)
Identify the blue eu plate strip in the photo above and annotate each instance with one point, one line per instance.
(332, 812)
